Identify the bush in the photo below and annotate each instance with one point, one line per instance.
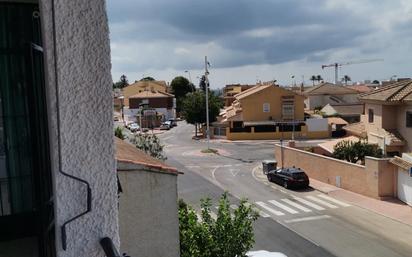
(227, 236)
(150, 144)
(118, 132)
(355, 151)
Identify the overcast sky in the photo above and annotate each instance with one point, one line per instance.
(250, 40)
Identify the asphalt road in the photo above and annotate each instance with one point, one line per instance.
(297, 223)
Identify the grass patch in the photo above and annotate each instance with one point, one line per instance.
(210, 150)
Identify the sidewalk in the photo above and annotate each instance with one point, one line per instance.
(391, 207)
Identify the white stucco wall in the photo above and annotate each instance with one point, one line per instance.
(148, 214)
(86, 130)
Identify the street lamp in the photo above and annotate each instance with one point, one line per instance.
(207, 101)
(122, 106)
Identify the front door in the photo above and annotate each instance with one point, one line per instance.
(26, 202)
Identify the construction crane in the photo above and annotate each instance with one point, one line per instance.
(337, 65)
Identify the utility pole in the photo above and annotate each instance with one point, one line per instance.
(207, 102)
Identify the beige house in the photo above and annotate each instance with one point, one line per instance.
(148, 211)
(388, 118)
(270, 112)
(327, 93)
(141, 86)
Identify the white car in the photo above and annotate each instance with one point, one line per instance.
(263, 253)
(134, 127)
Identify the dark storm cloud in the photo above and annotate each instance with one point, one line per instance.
(252, 32)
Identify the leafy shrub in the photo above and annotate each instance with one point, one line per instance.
(118, 132)
(150, 144)
(356, 151)
(227, 236)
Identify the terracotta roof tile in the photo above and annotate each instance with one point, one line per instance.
(126, 152)
(348, 109)
(329, 89)
(396, 92)
(357, 129)
(398, 161)
(151, 94)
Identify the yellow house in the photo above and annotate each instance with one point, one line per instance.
(230, 91)
(141, 86)
(269, 112)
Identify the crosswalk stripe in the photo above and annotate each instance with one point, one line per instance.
(282, 206)
(307, 219)
(261, 213)
(296, 205)
(233, 206)
(315, 206)
(266, 207)
(321, 202)
(334, 200)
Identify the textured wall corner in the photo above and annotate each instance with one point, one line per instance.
(86, 130)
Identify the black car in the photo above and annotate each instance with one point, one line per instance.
(289, 177)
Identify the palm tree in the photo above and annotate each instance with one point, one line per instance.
(319, 78)
(313, 78)
(346, 78)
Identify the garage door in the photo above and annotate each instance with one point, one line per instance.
(404, 187)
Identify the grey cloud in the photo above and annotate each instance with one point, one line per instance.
(174, 23)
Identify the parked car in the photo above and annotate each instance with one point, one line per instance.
(289, 177)
(134, 127)
(173, 122)
(165, 126)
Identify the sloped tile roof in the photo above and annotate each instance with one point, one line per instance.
(360, 88)
(126, 152)
(337, 120)
(348, 109)
(151, 94)
(251, 91)
(398, 161)
(357, 129)
(329, 89)
(397, 92)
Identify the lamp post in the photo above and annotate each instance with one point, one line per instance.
(207, 101)
(122, 106)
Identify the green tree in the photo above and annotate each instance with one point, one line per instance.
(313, 78)
(230, 235)
(147, 79)
(180, 87)
(118, 132)
(345, 79)
(150, 144)
(319, 78)
(123, 82)
(194, 108)
(355, 151)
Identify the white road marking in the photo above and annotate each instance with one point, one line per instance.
(315, 206)
(282, 206)
(307, 219)
(266, 207)
(233, 206)
(296, 205)
(334, 200)
(321, 202)
(261, 213)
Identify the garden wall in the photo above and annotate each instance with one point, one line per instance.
(375, 179)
